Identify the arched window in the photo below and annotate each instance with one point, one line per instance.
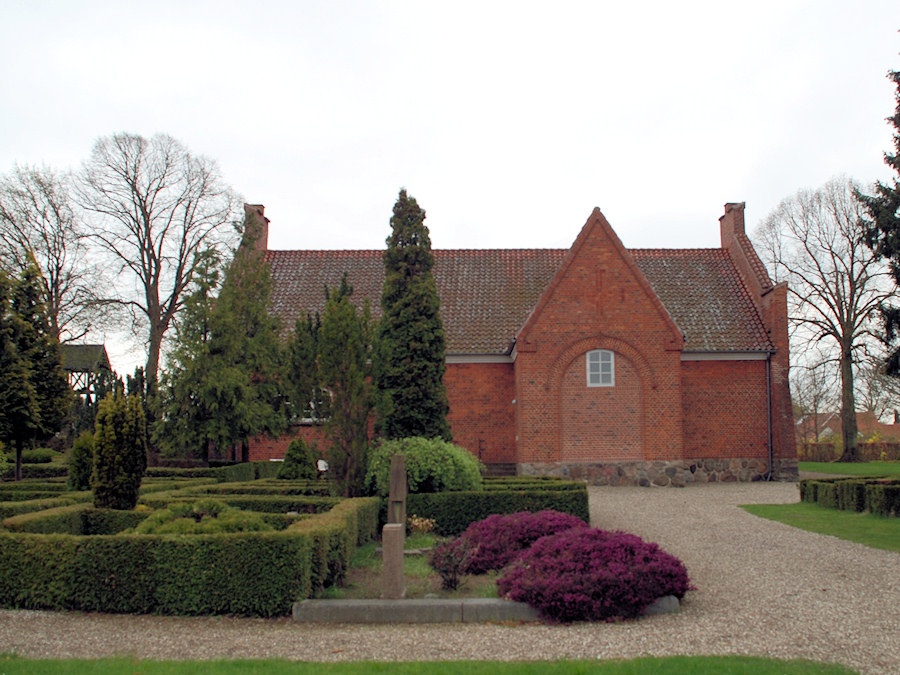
(601, 371)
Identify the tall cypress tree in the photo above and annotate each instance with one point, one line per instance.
(883, 232)
(345, 340)
(412, 398)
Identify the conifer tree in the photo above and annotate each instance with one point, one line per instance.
(35, 397)
(120, 451)
(344, 357)
(412, 398)
(883, 232)
(308, 399)
(224, 385)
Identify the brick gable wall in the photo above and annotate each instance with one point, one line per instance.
(599, 300)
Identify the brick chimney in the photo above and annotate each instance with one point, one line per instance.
(256, 233)
(732, 223)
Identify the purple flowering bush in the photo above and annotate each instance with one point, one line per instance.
(499, 539)
(587, 574)
(450, 560)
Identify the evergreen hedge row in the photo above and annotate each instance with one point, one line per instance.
(261, 503)
(277, 487)
(233, 473)
(75, 519)
(14, 508)
(453, 512)
(880, 496)
(255, 574)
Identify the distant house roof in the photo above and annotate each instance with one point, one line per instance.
(487, 295)
(84, 358)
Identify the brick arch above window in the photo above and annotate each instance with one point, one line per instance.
(599, 342)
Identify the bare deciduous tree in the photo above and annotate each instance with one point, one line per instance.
(39, 222)
(157, 208)
(813, 388)
(813, 241)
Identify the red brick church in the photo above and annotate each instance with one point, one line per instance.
(616, 366)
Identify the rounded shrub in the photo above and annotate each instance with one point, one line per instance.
(207, 516)
(586, 574)
(299, 461)
(499, 539)
(39, 456)
(81, 461)
(432, 465)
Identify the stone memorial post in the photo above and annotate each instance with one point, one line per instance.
(393, 535)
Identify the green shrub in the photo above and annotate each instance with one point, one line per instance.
(299, 461)
(432, 465)
(120, 452)
(207, 516)
(81, 461)
(39, 456)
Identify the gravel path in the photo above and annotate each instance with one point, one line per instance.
(764, 589)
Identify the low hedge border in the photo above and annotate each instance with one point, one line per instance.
(260, 503)
(311, 488)
(75, 519)
(15, 508)
(880, 496)
(233, 473)
(453, 512)
(250, 574)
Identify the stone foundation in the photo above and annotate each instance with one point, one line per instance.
(665, 473)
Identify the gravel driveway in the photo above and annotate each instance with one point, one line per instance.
(763, 588)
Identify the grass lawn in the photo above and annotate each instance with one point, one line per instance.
(863, 528)
(853, 468)
(364, 576)
(676, 665)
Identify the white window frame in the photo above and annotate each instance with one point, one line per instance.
(600, 368)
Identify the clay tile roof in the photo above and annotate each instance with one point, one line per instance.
(704, 294)
(487, 295)
(84, 358)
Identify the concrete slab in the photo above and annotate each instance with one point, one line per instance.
(475, 610)
(436, 610)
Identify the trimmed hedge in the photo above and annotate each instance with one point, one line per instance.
(75, 519)
(256, 574)
(880, 496)
(261, 503)
(265, 487)
(232, 473)
(334, 535)
(32, 471)
(14, 508)
(453, 512)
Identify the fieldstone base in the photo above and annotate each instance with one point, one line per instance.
(665, 473)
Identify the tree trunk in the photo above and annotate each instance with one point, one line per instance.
(848, 410)
(18, 460)
(153, 348)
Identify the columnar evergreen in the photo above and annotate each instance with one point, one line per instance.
(345, 340)
(120, 451)
(412, 398)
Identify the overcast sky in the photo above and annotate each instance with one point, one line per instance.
(508, 121)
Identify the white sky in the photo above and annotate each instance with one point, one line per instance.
(508, 121)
